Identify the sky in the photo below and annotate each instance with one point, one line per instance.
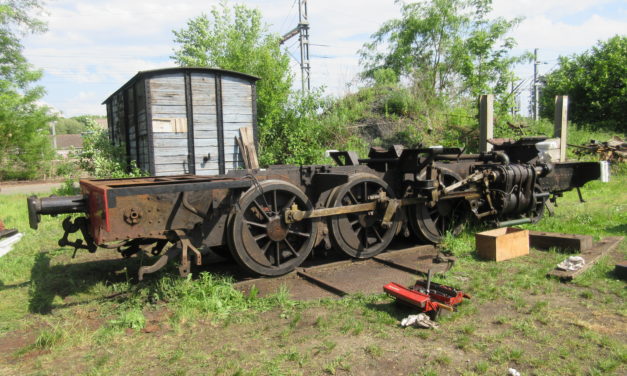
(93, 47)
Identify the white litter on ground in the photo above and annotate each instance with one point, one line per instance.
(572, 263)
(420, 320)
(512, 372)
(7, 244)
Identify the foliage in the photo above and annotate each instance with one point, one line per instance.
(24, 144)
(301, 137)
(69, 126)
(596, 83)
(449, 45)
(100, 158)
(238, 39)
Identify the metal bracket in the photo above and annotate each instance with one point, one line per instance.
(70, 227)
(580, 196)
(186, 244)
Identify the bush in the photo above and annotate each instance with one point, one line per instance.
(100, 158)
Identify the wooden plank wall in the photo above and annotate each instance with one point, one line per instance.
(117, 113)
(205, 123)
(167, 101)
(129, 115)
(143, 155)
(237, 113)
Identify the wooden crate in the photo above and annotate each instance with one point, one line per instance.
(502, 243)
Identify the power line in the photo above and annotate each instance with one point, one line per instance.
(302, 30)
(288, 15)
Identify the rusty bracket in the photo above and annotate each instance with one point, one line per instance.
(171, 253)
(185, 245)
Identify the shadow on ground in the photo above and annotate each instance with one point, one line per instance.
(65, 280)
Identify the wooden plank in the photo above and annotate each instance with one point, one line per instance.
(566, 242)
(230, 117)
(591, 256)
(245, 157)
(205, 109)
(211, 135)
(169, 111)
(486, 121)
(251, 150)
(560, 128)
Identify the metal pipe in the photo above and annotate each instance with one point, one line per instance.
(54, 205)
(514, 222)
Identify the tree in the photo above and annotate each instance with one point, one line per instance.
(449, 45)
(238, 39)
(69, 126)
(24, 143)
(596, 83)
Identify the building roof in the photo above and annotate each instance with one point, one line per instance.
(66, 141)
(156, 72)
(102, 122)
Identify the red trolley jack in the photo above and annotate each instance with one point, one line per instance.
(429, 296)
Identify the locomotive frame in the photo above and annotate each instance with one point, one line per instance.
(269, 220)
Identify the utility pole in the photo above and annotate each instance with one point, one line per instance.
(302, 30)
(536, 106)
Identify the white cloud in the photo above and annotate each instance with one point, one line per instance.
(96, 46)
(549, 8)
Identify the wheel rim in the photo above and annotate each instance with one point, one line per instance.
(537, 211)
(260, 239)
(360, 235)
(429, 224)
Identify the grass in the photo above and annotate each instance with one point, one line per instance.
(85, 315)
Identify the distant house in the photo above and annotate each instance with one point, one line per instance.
(102, 123)
(64, 143)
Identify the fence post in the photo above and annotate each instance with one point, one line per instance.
(561, 123)
(486, 121)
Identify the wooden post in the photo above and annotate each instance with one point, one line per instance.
(486, 121)
(561, 123)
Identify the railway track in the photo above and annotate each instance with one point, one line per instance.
(336, 278)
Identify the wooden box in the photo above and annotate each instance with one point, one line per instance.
(502, 243)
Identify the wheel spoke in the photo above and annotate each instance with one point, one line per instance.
(365, 191)
(303, 234)
(260, 236)
(290, 247)
(275, 203)
(365, 236)
(265, 247)
(256, 224)
(353, 223)
(277, 253)
(376, 233)
(260, 208)
(289, 203)
(352, 197)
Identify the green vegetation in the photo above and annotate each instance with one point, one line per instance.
(76, 124)
(69, 126)
(24, 144)
(53, 307)
(100, 158)
(449, 48)
(596, 83)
